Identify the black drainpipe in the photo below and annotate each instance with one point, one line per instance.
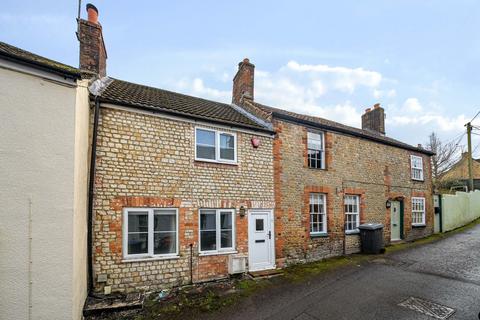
(91, 185)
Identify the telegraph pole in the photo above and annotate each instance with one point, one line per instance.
(470, 161)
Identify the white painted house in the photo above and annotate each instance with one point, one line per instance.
(44, 114)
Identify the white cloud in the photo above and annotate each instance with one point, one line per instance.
(342, 78)
(412, 105)
(197, 88)
(300, 88)
(435, 122)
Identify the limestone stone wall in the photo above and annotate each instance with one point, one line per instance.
(374, 171)
(149, 161)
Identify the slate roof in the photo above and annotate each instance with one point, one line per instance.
(154, 99)
(19, 55)
(335, 126)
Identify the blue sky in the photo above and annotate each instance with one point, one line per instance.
(419, 59)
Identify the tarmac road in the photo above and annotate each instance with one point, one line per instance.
(445, 273)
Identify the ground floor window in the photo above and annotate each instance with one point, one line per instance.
(217, 230)
(318, 213)
(352, 213)
(418, 211)
(150, 232)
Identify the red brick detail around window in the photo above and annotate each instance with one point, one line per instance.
(328, 150)
(121, 202)
(306, 209)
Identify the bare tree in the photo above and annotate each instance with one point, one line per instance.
(446, 154)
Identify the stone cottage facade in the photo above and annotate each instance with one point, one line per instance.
(329, 178)
(177, 179)
(146, 165)
(188, 190)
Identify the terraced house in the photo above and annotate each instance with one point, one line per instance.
(329, 178)
(178, 180)
(188, 190)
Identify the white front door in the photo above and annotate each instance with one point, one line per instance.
(261, 249)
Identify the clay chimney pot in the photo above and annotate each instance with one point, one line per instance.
(92, 13)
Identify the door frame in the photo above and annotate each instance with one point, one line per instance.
(272, 239)
(400, 201)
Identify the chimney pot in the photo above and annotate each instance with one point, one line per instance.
(92, 13)
(367, 110)
(376, 105)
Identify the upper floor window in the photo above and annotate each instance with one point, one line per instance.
(150, 232)
(418, 211)
(316, 150)
(352, 213)
(417, 167)
(215, 146)
(318, 213)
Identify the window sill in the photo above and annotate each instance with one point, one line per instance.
(419, 225)
(126, 260)
(319, 235)
(216, 253)
(320, 169)
(226, 163)
(418, 180)
(352, 232)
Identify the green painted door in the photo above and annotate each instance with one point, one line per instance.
(395, 221)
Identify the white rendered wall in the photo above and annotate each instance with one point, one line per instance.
(39, 179)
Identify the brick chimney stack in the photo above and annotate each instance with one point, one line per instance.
(374, 119)
(243, 82)
(93, 55)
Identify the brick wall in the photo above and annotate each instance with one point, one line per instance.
(148, 161)
(374, 171)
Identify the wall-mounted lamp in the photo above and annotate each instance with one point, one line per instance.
(242, 211)
(388, 204)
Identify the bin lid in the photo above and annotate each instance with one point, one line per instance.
(370, 226)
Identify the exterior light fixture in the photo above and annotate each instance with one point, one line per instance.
(388, 204)
(242, 211)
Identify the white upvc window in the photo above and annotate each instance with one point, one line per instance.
(217, 230)
(352, 213)
(215, 146)
(150, 233)
(316, 150)
(418, 211)
(416, 164)
(318, 214)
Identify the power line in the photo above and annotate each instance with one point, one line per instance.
(475, 116)
(455, 138)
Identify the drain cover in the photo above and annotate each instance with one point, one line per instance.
(428, 308)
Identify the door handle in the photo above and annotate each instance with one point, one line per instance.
(269, 234)
(394, 224)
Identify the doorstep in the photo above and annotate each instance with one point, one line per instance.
(96, 305)
(265, 273)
